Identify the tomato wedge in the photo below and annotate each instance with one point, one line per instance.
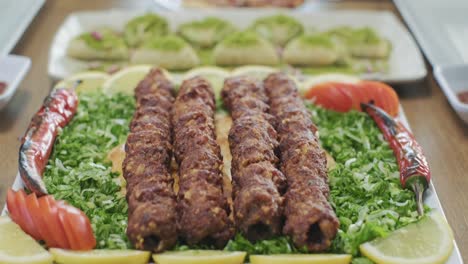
(33, 209)
(42, 221)
(337, 96)
(57, 223)
(78, 228)
(343, 97)
(56, 227)
(27, 219)
(382, 95)
(13, 208)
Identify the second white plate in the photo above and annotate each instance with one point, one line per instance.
(406, 63)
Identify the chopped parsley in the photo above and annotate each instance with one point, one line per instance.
(365, 189)
(79, 173)
(364, 186)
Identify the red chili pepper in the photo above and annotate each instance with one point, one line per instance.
(414, 170)
(57, 110)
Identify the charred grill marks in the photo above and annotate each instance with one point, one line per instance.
(257, 183)
(203, 211)
(310, 220)
(146, 168)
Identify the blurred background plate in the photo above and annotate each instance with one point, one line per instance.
(441, 28)
(406, 63)
(16, 15)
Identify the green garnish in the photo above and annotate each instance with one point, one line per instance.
(278, 245)
(144, 27)
(316, 40)
(242, 39)
(365, 35)
(103, 39)
(79, 173)
(166, 43)
(207, 32)
(365, 190)
(279, 29)
(278, 19)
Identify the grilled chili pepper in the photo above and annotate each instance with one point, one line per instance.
(414, 170)
(57, 110)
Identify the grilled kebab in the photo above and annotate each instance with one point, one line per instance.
(203, 211)
(310, 219)
(146, 168)
(257, 183)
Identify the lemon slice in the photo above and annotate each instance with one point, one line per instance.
(428, 241)
(256, 71)
(100, 256)
(200, 257)
(125, 80)
(301, 259)
(90, 81)
(214, 75)
(311, 81)
(17, 247)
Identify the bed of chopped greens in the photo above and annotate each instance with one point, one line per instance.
(364, 184)
(79, 173)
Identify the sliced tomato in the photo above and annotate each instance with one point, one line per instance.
(46, 224)
(359, 96)
(68, 228)
(57, 230)
(78, 226)
(13, 208)
(382, 95)
(28, 223)
(343, 97)
(55, 222)
(332, 95)
(34, 211)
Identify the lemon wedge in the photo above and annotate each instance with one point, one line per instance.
(200, 257)
(100, 256)
(90, 81)
(256, 71)
(214, 75)
(125, 80)
(312, 81)
(427, 241)
(17, 247)
(301, 259)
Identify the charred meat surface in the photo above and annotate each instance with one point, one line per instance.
(257, 183)
(310, 219)
(203, 210)
(146, 168)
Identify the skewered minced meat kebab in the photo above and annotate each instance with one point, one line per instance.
(310, 219)
(146, 168)
(203, 211)
(257, 183)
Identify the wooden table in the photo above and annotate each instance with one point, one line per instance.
(442, 134)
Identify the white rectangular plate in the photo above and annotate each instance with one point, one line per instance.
(16, 17)
(430, 198)
(406, 63)
(13, 68)
(441, 28)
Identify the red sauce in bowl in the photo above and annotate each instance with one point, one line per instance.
(463, 97)
(3, 87)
